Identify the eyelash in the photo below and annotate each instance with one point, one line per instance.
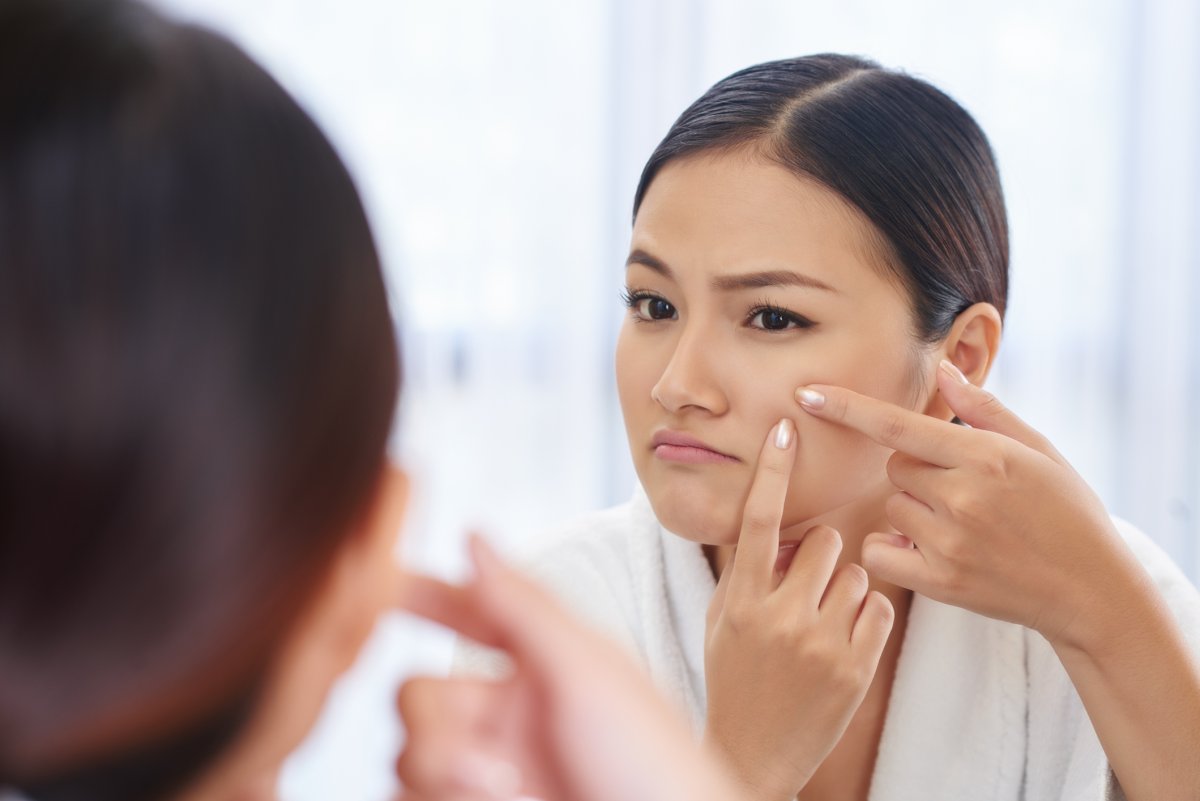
(632, 298)
(795, 321)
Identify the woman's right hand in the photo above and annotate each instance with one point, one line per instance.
(788, 658)
(576, 721)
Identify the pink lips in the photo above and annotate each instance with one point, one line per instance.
(674, 446)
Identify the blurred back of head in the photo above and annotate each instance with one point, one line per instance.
(198, 372)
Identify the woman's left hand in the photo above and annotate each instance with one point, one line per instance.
(992, 518)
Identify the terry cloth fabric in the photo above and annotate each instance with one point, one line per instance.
(981, 710)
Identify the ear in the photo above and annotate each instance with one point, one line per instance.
(971, 345)
(974, 341)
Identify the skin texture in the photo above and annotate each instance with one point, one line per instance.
(693, 357)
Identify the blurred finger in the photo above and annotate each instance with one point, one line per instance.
(450, 724)
(456, 608)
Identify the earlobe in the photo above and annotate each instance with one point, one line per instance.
(974, 341)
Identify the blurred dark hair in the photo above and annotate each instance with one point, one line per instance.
(906, 155)
(198, 371)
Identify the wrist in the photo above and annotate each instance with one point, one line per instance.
(1105, 618)
(759, 779)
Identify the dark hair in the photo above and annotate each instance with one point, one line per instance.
(198, 372)
(901, 151)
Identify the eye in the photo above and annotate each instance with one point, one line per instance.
(647, 306)
(773, 318)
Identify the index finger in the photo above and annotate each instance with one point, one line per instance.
(448, 605)
(758, 542)
(929, 439)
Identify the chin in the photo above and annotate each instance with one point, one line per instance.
(698, 516)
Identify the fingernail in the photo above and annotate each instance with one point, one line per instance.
(810, 398)
(783, 434)
(493, 777)
(951, 369)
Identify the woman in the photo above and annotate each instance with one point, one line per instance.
(198, 371)
(825, 225)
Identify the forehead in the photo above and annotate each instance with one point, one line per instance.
(715, 213)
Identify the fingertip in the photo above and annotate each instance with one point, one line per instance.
(811, 398)
(823, 535)
(881, 605)
(878, 547)
(950, 370)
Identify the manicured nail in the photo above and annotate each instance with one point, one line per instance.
(488, 775)
(783, 434)
(810, 398)
(952, 370)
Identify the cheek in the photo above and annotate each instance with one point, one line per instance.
(638, 366)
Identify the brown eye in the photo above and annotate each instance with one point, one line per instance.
(646, 306)
(656, 309)
(768, 318)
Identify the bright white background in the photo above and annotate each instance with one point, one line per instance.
(497, 145)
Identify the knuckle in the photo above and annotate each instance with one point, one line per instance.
(962, 504)
(739, 617)
(952, 577)
(891, 429)
(896, 506)
(989, 405)
(993, 464)
(836, 405)
(775, 468)
(881, 611)
(853, 581)
(758, 520)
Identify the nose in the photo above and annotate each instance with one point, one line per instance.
(691, 378)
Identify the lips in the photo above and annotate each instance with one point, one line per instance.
(675, 446)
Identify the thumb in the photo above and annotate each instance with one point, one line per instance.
(980, 409)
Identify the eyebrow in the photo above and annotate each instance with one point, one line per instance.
(732, 283)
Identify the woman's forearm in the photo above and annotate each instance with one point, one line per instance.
(1140, 684)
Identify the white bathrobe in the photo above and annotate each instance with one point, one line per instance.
(980, 710)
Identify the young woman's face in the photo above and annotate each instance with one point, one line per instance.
(746, 282)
